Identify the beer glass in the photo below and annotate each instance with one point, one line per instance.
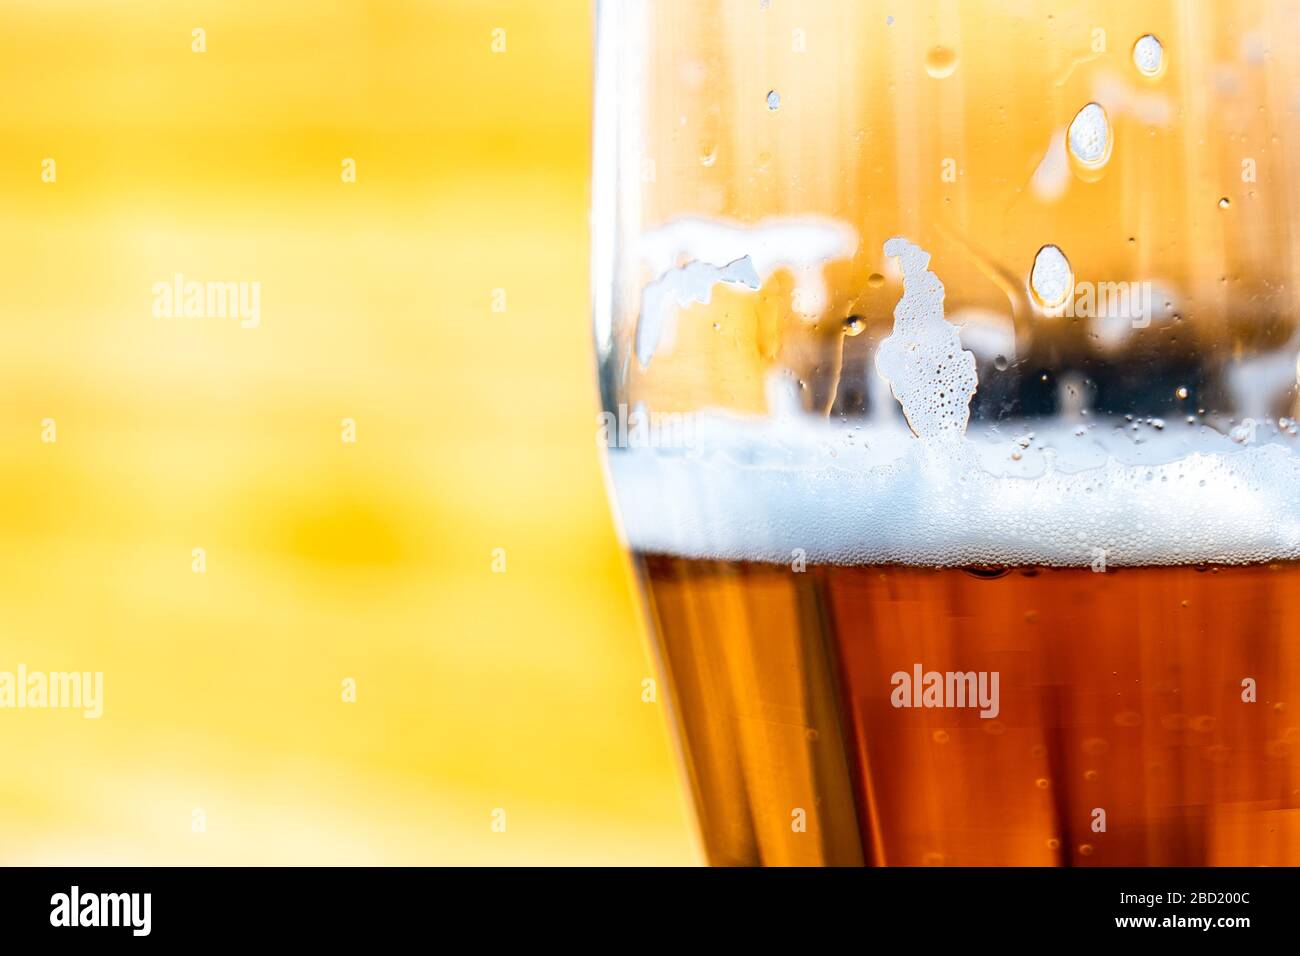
(947, 357)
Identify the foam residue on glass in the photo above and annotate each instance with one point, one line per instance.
(1051, 280)
(687, 256)
(1089, 136)
(1149, 55)
(922, 359)
(680, 287)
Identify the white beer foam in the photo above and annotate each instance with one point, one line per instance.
(689, 256)
(759, 490)
(922, 359)
(1113, 493)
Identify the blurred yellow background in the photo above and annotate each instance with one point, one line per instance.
(225, 737)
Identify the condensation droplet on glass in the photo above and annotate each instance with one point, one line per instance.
(1000, 363)
(773, 99)
(1089, 136)
(1051, 280)
(1182, 392)
(1149, 55)
(854, 325)
(708, 155)
(940, 61)
(1224, 202)
(875, 280)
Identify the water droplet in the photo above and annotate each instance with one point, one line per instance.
(854, 325)
(940, 736)
(1224, 202)
(773, 99)
(1042, 783)
(1149, 55)
(1053, 843)
(1051, 280)
(708, 155)
(1085, 849)
(875, 280)
(1000, 363)
(1182, 392)
(940, 61)
(1089, 136)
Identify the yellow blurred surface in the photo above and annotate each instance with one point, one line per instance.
(325, 560)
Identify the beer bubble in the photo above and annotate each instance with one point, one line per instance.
(1000, 363)
(773, 99)
(1051, 279)
(940, 61)
(1090, 776)
(1182, 392)
(1224, 202)
(1085, 849)
(1149, 55)
(708, 154)
(1089, 136)
(940, 736)
(1042, 783)
(875, 280)
(854, 325)
(1053, 843)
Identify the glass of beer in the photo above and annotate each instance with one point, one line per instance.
(947, 356)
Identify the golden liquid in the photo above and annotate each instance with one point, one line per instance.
(1119, 691)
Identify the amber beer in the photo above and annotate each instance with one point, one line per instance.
(1147, 715)
(983, 545)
